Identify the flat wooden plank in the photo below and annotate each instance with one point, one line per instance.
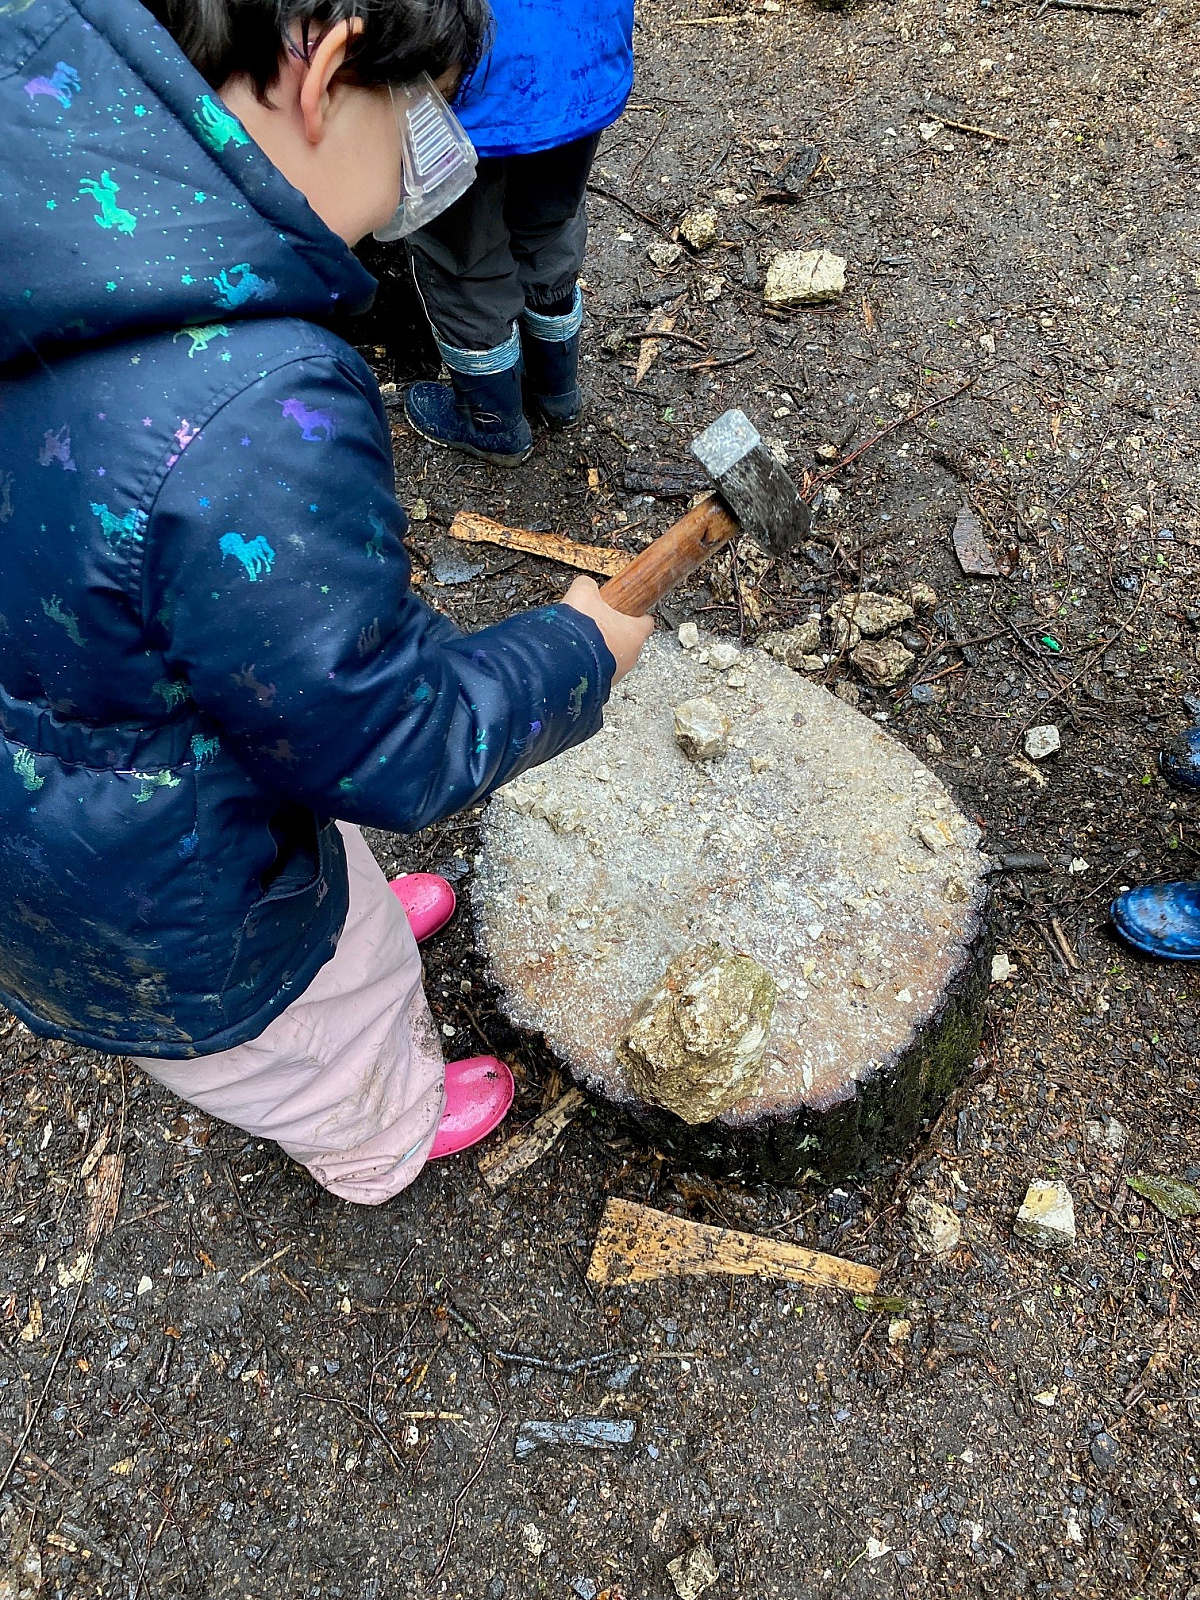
(636, 1244)
(474, 529)
(501, 1166)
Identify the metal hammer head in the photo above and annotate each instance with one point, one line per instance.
(756, 488)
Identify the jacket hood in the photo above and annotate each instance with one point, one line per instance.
(132, 198)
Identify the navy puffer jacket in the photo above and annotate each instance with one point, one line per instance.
(208, 645)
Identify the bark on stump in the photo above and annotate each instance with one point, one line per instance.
(819, 846)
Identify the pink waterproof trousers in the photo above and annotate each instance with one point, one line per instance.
(349, 1080)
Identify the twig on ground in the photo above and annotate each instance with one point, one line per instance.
(971, 127)
(19, 1451)
(913, 416)
(472, 1480)
(1091, 5)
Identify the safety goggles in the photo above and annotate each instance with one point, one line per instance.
(437, 159)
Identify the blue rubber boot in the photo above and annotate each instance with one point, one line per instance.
(1179, 763)
(1160, 919)
(551, 346)
(479, 411)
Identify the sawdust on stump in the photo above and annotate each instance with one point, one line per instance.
(807, 848)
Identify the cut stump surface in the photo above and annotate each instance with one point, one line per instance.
(819, 845)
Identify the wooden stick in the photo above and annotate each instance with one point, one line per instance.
(104, 1197)
(474, 529)
(686, 545)
(500, 1166)
(636, 1244)
(972, 127)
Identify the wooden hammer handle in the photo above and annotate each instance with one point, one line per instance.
(704, 530)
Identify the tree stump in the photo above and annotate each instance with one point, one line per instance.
(818, 845)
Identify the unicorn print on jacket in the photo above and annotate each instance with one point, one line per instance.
(314, 426)
(56, 446)
(256, 556)
(217, 127)
(249, 287)
(62, 84)
(104, 191)
(117, 529)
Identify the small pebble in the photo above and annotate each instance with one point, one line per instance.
(1042, 742)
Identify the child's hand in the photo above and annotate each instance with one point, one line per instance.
(623, 635)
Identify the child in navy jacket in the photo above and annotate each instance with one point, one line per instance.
(498, 271)
(211, 663)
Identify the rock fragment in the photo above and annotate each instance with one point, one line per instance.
(695, 1043)
(936, 1229)
(872, 614)
(883, 662)
(1047, 1216)
(701, 729)
(722, 655)
(805, 277)
(700, 228)
(1002, 967)
(922, 596)
(689, 635)
(664, 253)
(1042, 742)
(692, 1572)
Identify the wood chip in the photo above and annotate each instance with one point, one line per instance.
(474, 529)
(636, 1244)
(660, 322)
(104, 1197)
(502, 1165)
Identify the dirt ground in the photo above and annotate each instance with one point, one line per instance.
(259, 1390)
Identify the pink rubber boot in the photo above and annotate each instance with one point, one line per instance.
(479, 1092)
(428, 901)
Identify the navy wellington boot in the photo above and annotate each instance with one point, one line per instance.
(551, 348)
(1179, 762)
(1160, 919)
(479, 411)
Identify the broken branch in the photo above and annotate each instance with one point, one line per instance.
(636, 1244)
(474, 529)
(500, 1166)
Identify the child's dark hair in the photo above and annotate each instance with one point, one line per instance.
(400, 38)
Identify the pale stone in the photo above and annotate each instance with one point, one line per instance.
(722, 655)
(1002, 968)
(695, 1044)
(922, 596)
(664, 253)
(795, 646)
(689, 635)
(1042, 742)
(899, 1331)
(1109, 1134)
(935, 836)
(702, 729)
(700, 228)
(872, 614)
(692, 1573)
(883, 662)
(936, 1229)
(805, 277)
(1047, 1216)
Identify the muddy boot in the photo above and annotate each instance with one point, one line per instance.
(551, 346)
(1160, 919)
(479, 410)
(1179, 763)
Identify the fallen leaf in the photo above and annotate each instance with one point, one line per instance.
(1174, 1198)
(33, 1329)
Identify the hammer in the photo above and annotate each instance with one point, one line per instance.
(754, 493)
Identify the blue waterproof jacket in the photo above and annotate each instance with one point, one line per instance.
(208, 644)
(558, 70)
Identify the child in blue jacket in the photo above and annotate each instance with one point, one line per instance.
(498, 271)
(211, 664)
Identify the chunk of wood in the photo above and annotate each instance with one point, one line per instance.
(474, 529)
(636, 1244)
(502, 1165)
(104, 1197)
